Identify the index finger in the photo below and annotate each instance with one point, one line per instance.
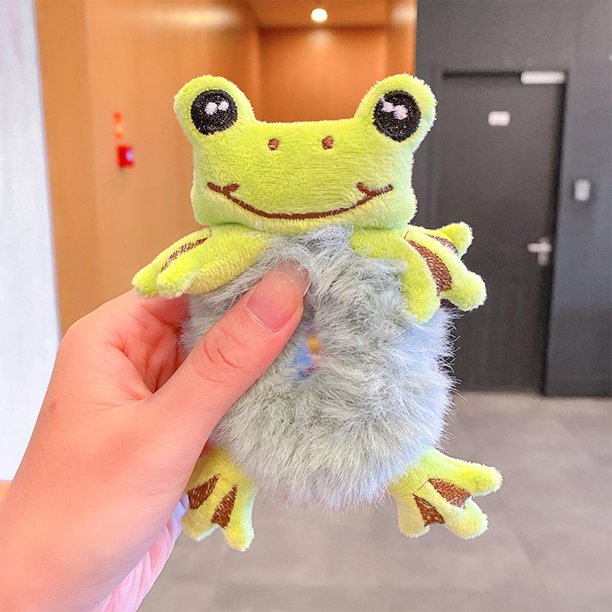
(128, 310)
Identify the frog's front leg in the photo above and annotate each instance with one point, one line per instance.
(201, 262)
(220, 495)
(439, 489)
(434, 270)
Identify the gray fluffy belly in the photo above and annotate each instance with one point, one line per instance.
(335, 430)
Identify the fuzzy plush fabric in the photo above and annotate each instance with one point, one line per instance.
(355, 403)
(375, 400)
(220, 496)
(201, 261)
(213, 256)
(439, 489)
(434, 270)
(289, 178)
(254, 180)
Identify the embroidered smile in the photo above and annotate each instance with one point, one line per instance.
(368, 194)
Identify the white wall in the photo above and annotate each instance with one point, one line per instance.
(29, 330)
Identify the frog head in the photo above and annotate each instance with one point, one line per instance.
(288, 178)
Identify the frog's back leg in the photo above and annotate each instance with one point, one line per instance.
(220, 496)
(439, 489)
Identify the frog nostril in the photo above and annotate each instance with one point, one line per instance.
(273, 144)
(327, 142)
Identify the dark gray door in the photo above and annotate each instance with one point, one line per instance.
(496, 151)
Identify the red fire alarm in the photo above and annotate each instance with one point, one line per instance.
(125, 156)
(125, 153)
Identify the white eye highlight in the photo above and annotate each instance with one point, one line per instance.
(212, 107)
(398, 110)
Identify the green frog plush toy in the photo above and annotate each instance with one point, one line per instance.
(354, 407)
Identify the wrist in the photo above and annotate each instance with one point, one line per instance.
(21, 577)
(40, 573)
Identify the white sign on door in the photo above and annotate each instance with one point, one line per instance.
(499, 118)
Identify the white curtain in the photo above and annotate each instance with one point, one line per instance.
(29, 330)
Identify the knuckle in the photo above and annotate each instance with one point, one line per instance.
(73, 342)
(74, 334)
(222, 355)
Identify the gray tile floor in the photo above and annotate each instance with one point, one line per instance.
(549, 547)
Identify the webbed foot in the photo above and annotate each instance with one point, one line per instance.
(439, 489)
(220, 496)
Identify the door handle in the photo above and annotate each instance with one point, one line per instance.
(543, 248)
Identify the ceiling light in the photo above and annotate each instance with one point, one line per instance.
(319, 15)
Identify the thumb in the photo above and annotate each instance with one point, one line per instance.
(234, 353)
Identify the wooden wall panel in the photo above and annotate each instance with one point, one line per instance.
(296, 13)
(127, 56)
(322, 72)
(313, 74)
(131, 56)
(63, 61)
(401, 36)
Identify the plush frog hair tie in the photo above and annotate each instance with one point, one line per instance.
(354, 406)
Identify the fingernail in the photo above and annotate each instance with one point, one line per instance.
(278, 295)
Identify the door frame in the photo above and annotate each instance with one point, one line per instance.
(429, 218)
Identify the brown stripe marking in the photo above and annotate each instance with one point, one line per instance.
(450, 492)
(446, 242)
(367, 191)
(198, 495)
(428, 512)
(436, 266)
(183, 249)
(223, 512)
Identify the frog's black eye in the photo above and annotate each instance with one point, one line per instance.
(397, 115)
(213, 111)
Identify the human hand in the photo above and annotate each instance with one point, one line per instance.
(94, 510)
